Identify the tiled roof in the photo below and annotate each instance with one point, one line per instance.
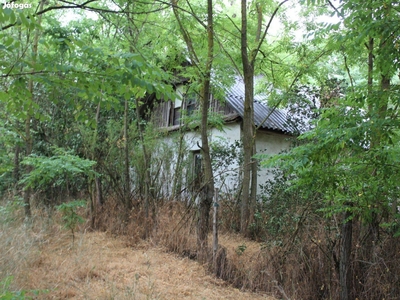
(277, 120)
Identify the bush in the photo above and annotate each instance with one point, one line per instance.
(69, 216)
(56, 171)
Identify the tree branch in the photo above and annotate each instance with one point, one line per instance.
(84, 6)
(348, 71)
(335, 9)
(290, 88)
(50, 72)
(253, 56)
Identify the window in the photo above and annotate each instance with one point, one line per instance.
(175, 113)
(190, 105)
(185, 104)
(176, 116)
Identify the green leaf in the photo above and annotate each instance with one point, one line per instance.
(24, 20)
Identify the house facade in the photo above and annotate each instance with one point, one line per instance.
(177, 120)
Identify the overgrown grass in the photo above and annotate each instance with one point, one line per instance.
(20, 244)
(302, 265)
(39, 261)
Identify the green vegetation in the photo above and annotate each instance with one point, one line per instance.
(70, 217)
(7, 294)
(79, 92)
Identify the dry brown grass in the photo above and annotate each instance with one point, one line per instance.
(100, 266)
(242, 262)
(117, 264)
(302, 266)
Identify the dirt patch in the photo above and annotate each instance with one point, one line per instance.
(99, 266)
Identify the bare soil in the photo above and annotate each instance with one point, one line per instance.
(99, 266)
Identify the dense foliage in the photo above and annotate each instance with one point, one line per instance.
(80, 81)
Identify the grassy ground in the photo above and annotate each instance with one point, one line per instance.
(41, 257)
(114, 262)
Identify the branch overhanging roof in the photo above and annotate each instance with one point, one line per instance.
(277, 120)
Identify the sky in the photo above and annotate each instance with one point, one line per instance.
(292, 10)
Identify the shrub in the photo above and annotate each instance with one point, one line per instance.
(69, 216)
(56, 171)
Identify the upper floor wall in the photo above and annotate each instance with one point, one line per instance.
(168, 114)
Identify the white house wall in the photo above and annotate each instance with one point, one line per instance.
(226, 178)
(270, 143)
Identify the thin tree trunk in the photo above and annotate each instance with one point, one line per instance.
(249, 131)
(28, 151)
(92, 203)
(207, 190)
(370, 70)
(208, 184)
(99, 192)
(254, 180)
(215, 231)
(147, 178)
(259, 20)
(380, 111)
(99, 189)
(345, 258)
(16, 170)
(177, 177)
(96, 195)
(248, 123)
(28, 120)
(127, 185)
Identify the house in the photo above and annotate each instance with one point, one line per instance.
(176, 119)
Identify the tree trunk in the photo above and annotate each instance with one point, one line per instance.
(254, 180)
(92, 204)
(248, 123)
(177, 177)
(147, 177)
(207, 192)
(96, 194)
(16, 170)
(96, 157)
(207, 188)
(215, 232)
(377, 107)
(250, 168)
(28, 120)
(28, 151)
(127, 185)
(345, 258)
(370, 66)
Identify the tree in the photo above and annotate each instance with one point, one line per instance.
(69, 60)
(204, 74)
(350, 156)
(249, 133)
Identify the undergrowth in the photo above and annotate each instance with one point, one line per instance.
(37, 260)
(300, 262)
(296, 262)
(20, 244)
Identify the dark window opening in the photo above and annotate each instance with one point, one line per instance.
(190, 106)
(174, 116)
(177, 116)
